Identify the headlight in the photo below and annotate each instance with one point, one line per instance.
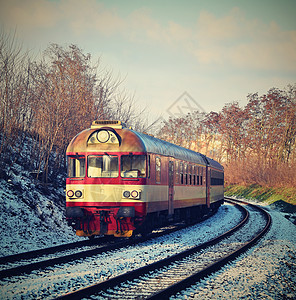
(126, 194)
(134, 194)
(78, 194)
(70, 193)
(103, 136)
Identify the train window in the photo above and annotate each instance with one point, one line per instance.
(217, 178)
(102, 166)
(133, 166)
(158, 170)
(194, 179)
(189, 175)
(181, 173)
(76, 166)
(186, 175)
(177, 178)
(216, 181)
(148, 166)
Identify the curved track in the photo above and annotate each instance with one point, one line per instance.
(174, 273)
(188, 281)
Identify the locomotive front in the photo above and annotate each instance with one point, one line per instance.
(105, 187)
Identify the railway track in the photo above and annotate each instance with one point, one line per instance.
(168, 276)
(55, 250)
(24, 263)
(59, 279)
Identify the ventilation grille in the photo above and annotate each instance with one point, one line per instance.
(109, 123)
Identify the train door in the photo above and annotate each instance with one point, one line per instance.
(208, 186)
(171, 188)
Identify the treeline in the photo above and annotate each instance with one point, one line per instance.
(46, 102)
(255, 143)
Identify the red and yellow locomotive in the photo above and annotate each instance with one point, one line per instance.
(120, 180)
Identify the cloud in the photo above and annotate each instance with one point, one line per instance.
(268, 50)
(29, 14)
(88, 15)
(140, 27)
(278, 54)
(229, 40)
(211, 28)
(78, 15)
(143, 27)
(236, 41)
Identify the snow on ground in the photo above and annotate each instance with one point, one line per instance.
(49, 283)
(267, 271)
(33, 217)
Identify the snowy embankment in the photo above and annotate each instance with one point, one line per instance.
(33, 217)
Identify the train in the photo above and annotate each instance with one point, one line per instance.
(122, 182)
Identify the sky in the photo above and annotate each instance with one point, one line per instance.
(175, 56)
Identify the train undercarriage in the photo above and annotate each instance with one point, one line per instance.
(123, 221)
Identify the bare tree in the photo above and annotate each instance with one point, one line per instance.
(64, 100)
(114, 102)
(14, 87)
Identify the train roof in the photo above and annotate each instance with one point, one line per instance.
(133, 141)
(214, 163)
(157, 146)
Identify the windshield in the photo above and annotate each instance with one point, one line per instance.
(133, 165)
(102, 166)
(76, 166)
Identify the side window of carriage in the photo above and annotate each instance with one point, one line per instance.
(193, 175)
(185, 173)
(201, 176)
(177, 178)
(181, 173)
(158, 170)
(148, 166)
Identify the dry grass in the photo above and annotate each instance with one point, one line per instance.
(251, 171)
(265, 194)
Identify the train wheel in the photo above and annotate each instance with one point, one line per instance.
(189, 217)
(147, 227)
